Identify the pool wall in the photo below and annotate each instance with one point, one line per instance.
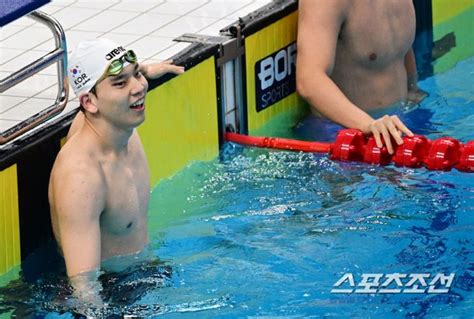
(185, 117)
(182, 121)
(9, 221)
(270, 109)
(453, 25)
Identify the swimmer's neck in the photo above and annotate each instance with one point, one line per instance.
(111, 139)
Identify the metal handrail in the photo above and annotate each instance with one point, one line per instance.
(59, 56)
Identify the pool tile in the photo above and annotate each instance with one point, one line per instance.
(107, 21)
(123, 39)
(9, 30)
(73, 38)
(28, 39)
(149, 46)
(23, 21)
(51, 9)
(178, 7)
(186, 24)
(7, 102)
(246, 10)
(26, 109)
(145, 23)
(21, 60)
(32, 85)
(137, 6)
(7, 54)
(171, 51)
(69, 17)
(93, 4)
(214, 28)
(51, 92)
(6, 124)
(219, 9)
(63, 2)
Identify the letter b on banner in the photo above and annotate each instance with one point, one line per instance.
(275, 77)
(266, 74)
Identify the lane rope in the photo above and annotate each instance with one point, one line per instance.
(443, 153)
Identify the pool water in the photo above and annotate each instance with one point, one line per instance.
(269, 233)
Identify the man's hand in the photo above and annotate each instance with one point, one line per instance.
(415, 96)
(88, 293)
(388, 126)
(155, 70)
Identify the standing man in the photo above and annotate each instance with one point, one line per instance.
(99, 186)
(355, 59)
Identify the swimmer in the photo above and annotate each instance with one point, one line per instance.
(354, 59)
(99, 185)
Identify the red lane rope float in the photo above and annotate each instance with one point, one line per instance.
(278, 143)
(352, 145)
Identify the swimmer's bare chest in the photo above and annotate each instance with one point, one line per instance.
(126, 203)
(123, 222)
(376, 33)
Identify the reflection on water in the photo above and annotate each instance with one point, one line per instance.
(120, 294)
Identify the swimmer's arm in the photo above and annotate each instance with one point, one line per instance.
(410, 67)
(319, 24)
(415, 94)
(155, 70)
(79, 199)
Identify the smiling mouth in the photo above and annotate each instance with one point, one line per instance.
(138, 105)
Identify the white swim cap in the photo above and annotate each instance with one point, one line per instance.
(89, 61)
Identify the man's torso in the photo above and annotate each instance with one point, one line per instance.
(123, 222)
(373, 41)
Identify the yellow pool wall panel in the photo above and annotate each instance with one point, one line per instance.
(444, 10)
(453, 17)
(181, 121)
(9, 220)
(257, 46)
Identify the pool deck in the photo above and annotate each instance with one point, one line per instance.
(147, 26)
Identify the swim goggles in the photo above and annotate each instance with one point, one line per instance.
(117, 65)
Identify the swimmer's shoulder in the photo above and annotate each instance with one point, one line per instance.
(77, 180)
(77, 156)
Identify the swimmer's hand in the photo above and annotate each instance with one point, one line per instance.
(155, 70)
(86, 290)
(415, 96)
(387, 127)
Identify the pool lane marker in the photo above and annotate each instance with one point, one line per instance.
(352, 145)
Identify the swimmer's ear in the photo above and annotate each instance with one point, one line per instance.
(88, 103)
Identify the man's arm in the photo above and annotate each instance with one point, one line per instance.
(415, 94)
(155, 70)
(79, 198)
(319, 24)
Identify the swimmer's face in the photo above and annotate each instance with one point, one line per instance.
(121, 98)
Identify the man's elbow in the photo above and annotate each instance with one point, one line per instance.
(303, 87)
